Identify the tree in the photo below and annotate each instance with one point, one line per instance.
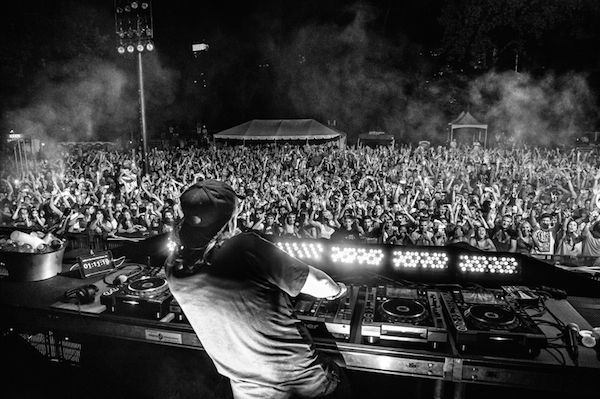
(485, 34)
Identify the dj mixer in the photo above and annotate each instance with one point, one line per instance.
(431, 298)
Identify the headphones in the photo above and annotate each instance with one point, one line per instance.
(82, 295)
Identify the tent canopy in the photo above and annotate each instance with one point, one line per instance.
(279, 129)
(376, 138)
(468, 126)
(466, 120)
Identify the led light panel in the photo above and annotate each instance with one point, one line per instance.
(371, 256)
(303, 250)
(488, 264)
(431, 260)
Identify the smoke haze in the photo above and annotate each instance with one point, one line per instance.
(355, 76)
(91, 99)
(348, 71)
(364, 81)
(547, 110)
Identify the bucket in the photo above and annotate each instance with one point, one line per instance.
(23, 266)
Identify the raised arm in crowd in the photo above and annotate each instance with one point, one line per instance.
(541, 201)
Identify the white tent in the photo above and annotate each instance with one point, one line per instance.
(376, 138)
(466, 125)
(280, 129)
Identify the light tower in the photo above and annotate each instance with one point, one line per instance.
(133, 26)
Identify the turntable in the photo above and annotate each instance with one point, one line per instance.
(403, 315)
(147, 296)
(492, 316)
(484, 321)
(327, 318)
(402, 310)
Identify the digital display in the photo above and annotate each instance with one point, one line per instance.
(368, 256)
(397, 292)
(480, 297)
(488, 264)
(92, 265)
(434, 260)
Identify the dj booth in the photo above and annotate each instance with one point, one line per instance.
(448, 314)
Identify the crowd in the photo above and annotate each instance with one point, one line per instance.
(529, 200)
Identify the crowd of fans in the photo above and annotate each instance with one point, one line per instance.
(529, 200)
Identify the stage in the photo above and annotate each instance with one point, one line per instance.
(96, 343)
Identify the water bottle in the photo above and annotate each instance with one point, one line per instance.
(24, 238)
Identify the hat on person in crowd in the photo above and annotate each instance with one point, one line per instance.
(207, 207)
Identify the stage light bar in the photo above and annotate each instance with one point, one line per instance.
(411, 259)
(303, 250)
(347, 255)
(488, 264)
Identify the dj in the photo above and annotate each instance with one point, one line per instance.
(235, 291)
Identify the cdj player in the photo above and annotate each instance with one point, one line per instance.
(146, 296)
(486, 321)
(327, 318)
(403, 314)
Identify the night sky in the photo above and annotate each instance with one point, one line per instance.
(405, 67)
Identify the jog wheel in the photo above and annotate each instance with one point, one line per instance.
(493, 317)
(400, 310)
(148, 286)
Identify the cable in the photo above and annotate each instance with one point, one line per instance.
(548, 322)
(562, 361)
(559, 321)
(569, 336)
(122, 259)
